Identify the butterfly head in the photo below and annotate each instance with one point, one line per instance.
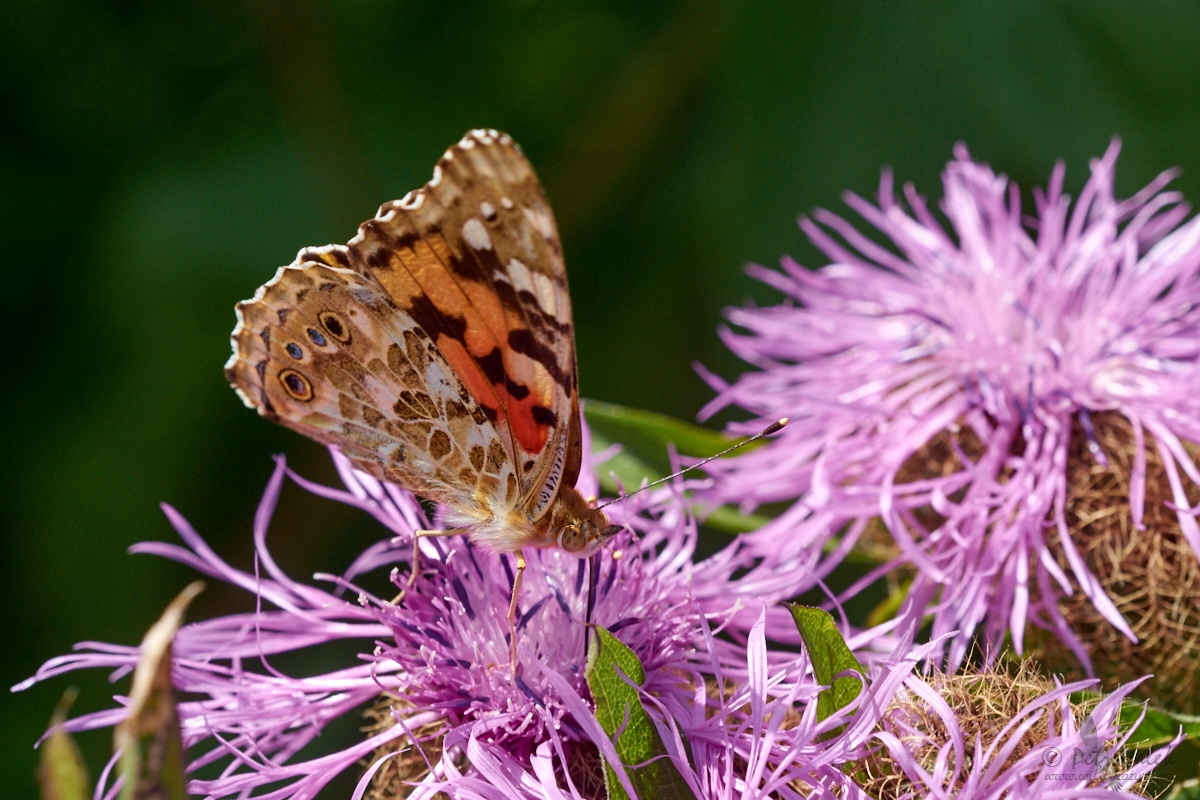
(578, 528)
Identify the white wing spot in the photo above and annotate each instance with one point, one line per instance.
(412, 200)
(541, 220)
(545, 293)
(437, 175)
(476, 235)
(488, 210)
(519, 273)
(508, 204)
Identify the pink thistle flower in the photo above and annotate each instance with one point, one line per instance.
(435, 668)
(988, 345)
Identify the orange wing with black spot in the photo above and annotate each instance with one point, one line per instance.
(471, 263)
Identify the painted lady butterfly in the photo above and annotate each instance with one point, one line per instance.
(436, 350)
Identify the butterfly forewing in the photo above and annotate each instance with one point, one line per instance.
(435, 348)
(475, 257)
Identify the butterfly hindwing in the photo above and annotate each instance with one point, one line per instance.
(325, 351)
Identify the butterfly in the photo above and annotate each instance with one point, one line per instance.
(436, 350)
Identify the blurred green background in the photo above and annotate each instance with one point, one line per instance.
(158, 161)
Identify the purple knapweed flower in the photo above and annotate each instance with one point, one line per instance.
(937, 384)
(434, 668)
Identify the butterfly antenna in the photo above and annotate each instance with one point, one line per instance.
(774, 427)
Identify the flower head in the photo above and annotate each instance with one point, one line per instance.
(434, 673)
(938, 385)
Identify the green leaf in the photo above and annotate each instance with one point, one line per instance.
(648, 433)
(62, 773)
(644, 437)
(888, 607)
(1159, 726)
(830, 655)
(639, 742)
(149, 738)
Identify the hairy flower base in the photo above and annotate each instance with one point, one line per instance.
(1151, 575)
(1022, 730)
(404, 762)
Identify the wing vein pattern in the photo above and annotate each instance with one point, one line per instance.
(436, 347)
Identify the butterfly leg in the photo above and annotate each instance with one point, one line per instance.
(512, 610)
(416, 555)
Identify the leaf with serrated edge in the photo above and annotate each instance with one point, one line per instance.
(619, 707)
(62, 774)
(149, 738)
(829, 655)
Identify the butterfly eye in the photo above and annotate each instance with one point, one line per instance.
(296, 385)
(333, 323)
(572, 539)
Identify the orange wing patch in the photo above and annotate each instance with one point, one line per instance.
(473, 258)
(464, 317)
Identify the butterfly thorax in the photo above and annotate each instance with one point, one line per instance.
(571, 523)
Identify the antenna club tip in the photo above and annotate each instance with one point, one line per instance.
(775, 427)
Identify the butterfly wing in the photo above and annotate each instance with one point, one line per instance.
(326, 352)
(475, 258)
(470, 265)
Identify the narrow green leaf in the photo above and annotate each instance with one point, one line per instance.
(648, 433)
(830, 655)
(888, 607)
(644, 437)
(616, 701)
(148, 738)
(1159, 726)
(728, 519)
(62, 773)
(626, 466)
